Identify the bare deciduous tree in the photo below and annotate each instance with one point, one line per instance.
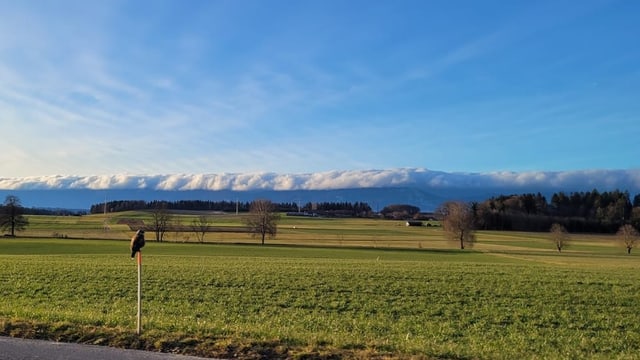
(457, 222)
(200, 226)
(559, 236)
(11, 215)
(629, 237)
(262, 219)
(161, 219)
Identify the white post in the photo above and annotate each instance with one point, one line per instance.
(139, 329)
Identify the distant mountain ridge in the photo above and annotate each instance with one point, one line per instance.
(82, 199)
(419, 187)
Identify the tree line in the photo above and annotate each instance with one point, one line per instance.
(594, 211)
(356, 209)
(53, 212)
(338, 209)
(195, 205)
(460, 219)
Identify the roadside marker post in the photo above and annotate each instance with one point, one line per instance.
(139, 315)
(137, 243)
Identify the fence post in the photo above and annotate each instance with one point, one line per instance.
(139, 316)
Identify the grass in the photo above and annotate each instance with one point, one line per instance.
(511, 297)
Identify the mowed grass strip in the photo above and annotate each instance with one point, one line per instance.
(276, 301)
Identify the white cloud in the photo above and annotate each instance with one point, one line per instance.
(419, 178)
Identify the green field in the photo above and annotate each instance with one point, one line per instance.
(360, 289)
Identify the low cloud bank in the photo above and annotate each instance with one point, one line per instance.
(415, 177)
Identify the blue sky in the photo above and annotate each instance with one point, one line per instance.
(170, 87)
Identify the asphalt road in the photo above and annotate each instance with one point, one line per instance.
(27, 349)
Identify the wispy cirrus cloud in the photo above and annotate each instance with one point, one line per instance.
(216, 87)
(100, 106)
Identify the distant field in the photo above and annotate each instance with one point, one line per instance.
(307, 231)
(407, 294)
